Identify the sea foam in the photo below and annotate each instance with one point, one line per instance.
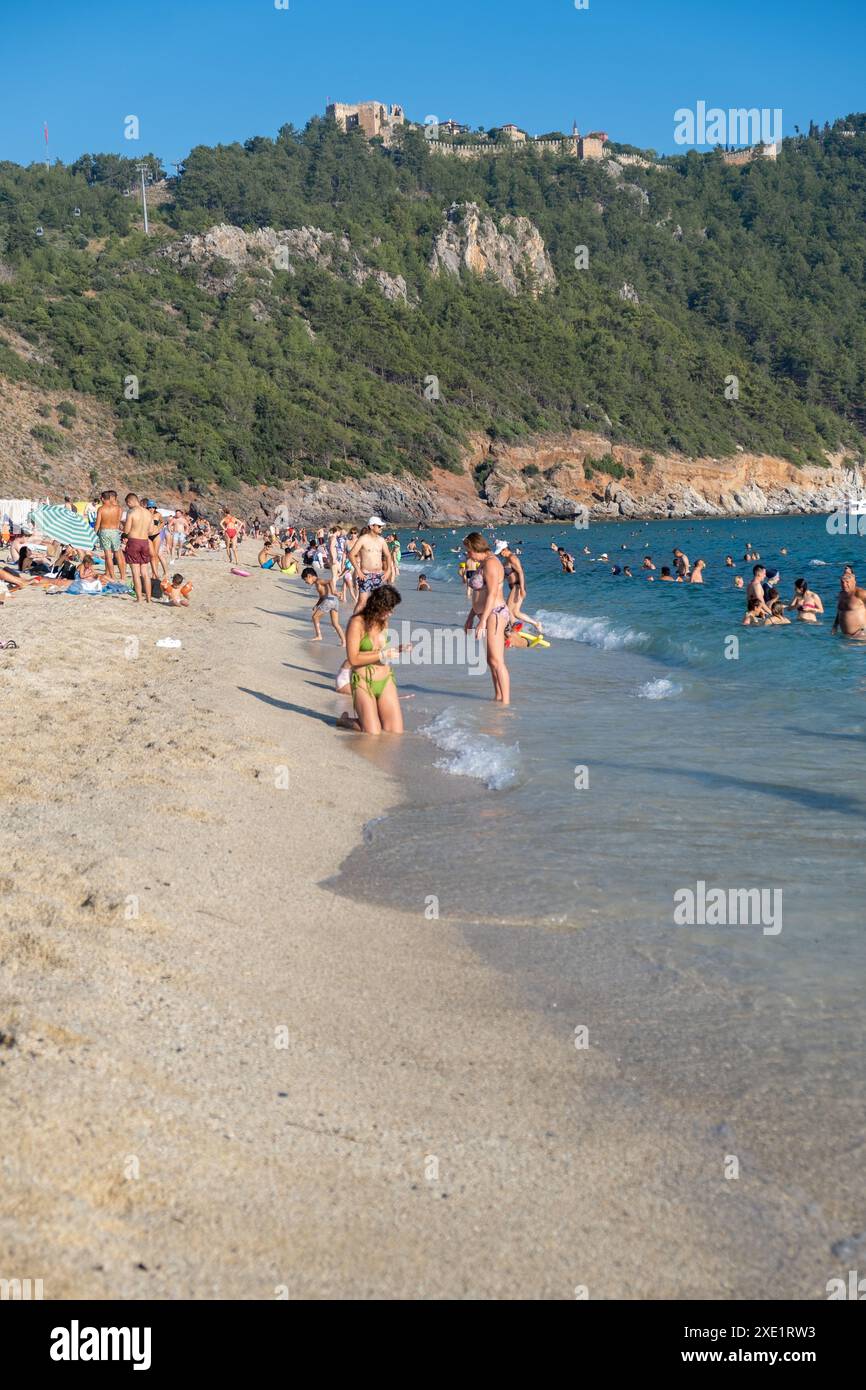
(595, 632)
(471, 754)
(659, 689)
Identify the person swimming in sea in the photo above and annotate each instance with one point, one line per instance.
(850, 617)
(807, 604)
(776, 616)
(566, 560)
(754, 615)
(756, 588)
(422, 582)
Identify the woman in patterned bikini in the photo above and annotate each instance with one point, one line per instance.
(489, 612)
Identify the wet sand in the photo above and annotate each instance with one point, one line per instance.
(218, 1079)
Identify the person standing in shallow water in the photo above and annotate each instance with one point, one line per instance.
(489, 612)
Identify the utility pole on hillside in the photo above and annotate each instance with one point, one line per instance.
(144, 199)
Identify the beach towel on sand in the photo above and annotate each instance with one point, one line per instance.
(111, 589)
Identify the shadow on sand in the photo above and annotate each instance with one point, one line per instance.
(287, 705)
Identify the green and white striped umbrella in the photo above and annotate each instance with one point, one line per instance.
(66, 526)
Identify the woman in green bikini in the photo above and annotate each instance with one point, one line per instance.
(374, 689)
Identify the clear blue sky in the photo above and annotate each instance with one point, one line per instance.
(208, 71)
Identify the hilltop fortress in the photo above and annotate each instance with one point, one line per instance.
(374, 118)
(378, 120)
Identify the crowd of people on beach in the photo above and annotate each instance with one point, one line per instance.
(138, 544)
(348, 566)
(133, 547)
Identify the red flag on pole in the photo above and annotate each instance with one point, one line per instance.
(45, 128)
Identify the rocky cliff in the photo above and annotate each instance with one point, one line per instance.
(581, 471)
(513, 254)
(543, 479)
(270, 251)
(547, 479)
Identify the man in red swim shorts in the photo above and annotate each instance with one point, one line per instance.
(136, 530)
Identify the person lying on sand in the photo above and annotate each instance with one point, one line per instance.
(15, 581)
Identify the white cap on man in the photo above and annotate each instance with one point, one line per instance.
(375, 521)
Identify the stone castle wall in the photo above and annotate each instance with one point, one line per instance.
(487, 147)
(753, 152)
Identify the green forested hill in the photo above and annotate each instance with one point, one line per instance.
(756, 271)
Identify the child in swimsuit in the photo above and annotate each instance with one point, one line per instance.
(325, 603)
(176, 591)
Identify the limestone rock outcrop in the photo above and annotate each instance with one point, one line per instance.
(513, 254)
(271, 251)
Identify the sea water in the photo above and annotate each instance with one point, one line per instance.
(656, 752)
(656, 742)
(656, 746)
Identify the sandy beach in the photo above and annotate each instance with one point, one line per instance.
(219, 1079)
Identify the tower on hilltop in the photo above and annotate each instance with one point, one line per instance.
(374, 118)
